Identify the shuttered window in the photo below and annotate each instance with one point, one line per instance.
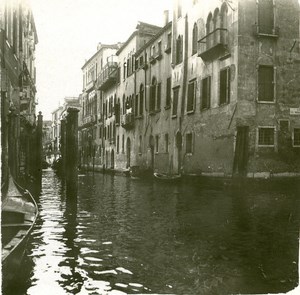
(225, 86)
(191, 96)
(266, 83)
(168, 95)
(296, 137)
(205, 93)
(265, 16)
(175, 101)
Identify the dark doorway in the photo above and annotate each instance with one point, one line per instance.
(241, 151)
(128, 151)
(151, 145)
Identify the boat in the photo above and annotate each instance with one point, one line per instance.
(167, 177)
(19, 214)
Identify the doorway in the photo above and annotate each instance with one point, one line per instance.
(241, 151)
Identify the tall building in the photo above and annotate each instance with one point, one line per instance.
(18, 39)
(214, 92)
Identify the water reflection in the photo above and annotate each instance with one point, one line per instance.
(124, 236)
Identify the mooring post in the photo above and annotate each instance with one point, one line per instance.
(39, 148)
(72, 152)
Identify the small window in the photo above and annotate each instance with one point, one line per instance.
(168, 93)
(169, 40)
(167, 142)
(123, 143)
(205, 93)
(191, 96)
(118, 143)
(266, 83)
(225, 86)
(296, 137)
(159, 48)
(140, 144)
(284, 126)
(158, 97)
(189, 143)
(179, 49)
(156, 143)
(175, 101)
(266, 136)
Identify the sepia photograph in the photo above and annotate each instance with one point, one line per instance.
(150, 147)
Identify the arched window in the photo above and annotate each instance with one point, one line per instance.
(216, 28)
(195, 39)
(152, 95)
(223, 23)
(209, 29)
(141, 105)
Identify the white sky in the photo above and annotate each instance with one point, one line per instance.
(69, 31)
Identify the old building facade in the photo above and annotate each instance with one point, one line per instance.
(18, 39)
(214, 92)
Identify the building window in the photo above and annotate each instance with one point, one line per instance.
(191, 96)
(168, 93)
(159, 48)
(175, 101)
(156, 143)
(141, 106)
(189, 143)
(179, 49)
(296, 137)
(152, 95)
(167, 142)
(195, 39)
(266, 136)
(136, 105)
(284, 126)
(265, 16)
(123, 143)
(225, 86)
(266, 83)
(205, 93)
(169, 40)
(118, 143)
(158, 97)
(140, 144)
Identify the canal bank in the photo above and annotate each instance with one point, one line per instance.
(142, 236)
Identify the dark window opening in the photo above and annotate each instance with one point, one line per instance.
(175, 101)
(205, 93)
(189, 143)
(225, 86)
(191, 96)
(265, 83)
(266, 136)
(265, 16)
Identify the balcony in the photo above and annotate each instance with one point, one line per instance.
(128, 121)
(108, 76)
(89, 119)
(213, 45)
(89, 85)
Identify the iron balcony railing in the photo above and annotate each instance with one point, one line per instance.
(108, 75)
(213, 44)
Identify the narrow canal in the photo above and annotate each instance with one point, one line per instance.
(140, 236)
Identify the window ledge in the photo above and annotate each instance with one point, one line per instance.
(174, 116)
(265, 101)
(167, 107)
(266, 146)
(190, 112)
(189, 154)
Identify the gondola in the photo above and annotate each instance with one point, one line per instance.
(167, 177)
(19, 213)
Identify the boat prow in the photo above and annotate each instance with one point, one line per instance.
(167, 177)
(19, 213)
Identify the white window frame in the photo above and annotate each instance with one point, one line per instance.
(293, 137)
(266, 145)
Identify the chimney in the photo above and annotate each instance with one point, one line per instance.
(166, 17)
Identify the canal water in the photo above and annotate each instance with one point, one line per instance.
(126, 236)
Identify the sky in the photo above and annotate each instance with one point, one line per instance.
(68, 33)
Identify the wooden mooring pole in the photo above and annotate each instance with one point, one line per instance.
(71, 152)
